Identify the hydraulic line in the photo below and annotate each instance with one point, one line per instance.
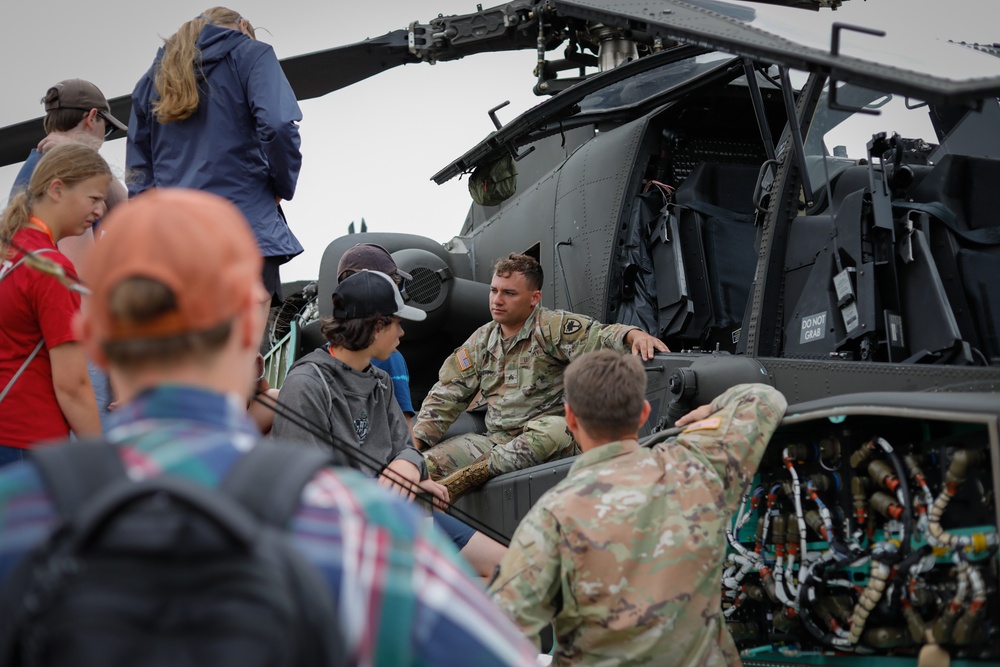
(797, 500)
(902, 493)
(928, 499)
(877, 581)
(962, 460)
(968, 628)
(944, 624)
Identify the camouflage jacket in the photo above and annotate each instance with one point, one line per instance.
(625, 555)
(522, 384)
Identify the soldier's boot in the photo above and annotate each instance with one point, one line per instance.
(466, 479)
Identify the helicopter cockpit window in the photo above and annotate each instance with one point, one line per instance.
(845, 134)
(838, 138)
(651, 83)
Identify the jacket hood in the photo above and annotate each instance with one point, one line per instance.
(215, 43)
(362, 383)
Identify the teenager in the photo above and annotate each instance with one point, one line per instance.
(46, 390)
(337, 392)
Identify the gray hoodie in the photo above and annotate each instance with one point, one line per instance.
(356, 408)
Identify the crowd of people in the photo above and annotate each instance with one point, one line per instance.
(134, 322)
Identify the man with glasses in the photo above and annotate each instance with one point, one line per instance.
(76, 110)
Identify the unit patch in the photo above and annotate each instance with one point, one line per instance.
(462, 357)
(572, 326)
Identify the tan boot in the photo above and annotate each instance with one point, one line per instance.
(464, 480)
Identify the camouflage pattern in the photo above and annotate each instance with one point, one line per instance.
(625, 555)
(543, 439)
(519, 387)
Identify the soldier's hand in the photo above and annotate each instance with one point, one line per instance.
(695, 415)
(644, 344)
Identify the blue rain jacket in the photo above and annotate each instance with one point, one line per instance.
(242, 143)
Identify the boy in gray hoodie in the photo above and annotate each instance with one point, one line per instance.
(336, 390)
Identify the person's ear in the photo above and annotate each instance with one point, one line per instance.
(536, 296)
(90, 120)
(571, 420)
(252, 318)
(55, 189)
(644, 415)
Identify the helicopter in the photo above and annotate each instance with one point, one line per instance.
(812, 218)
(778, 213)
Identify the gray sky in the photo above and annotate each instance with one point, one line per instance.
(368, 150)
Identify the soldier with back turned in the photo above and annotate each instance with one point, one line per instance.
(624, 557)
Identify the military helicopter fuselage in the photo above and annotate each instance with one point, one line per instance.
(776, 212)
(742, 200)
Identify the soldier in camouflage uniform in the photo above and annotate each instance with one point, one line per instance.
(625, 555)
(515, 363)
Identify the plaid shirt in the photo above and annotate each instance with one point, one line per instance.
(403, 594)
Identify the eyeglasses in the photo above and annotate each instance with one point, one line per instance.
(109, 128)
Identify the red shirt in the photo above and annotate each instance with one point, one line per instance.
(33, 306)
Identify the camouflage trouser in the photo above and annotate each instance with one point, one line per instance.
(543, 439)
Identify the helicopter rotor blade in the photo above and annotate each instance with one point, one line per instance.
(321, 72)
(310, 75)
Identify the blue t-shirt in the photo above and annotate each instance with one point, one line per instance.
(24, 175)
(395, 366)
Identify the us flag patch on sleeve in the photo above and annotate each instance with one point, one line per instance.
(462, 357)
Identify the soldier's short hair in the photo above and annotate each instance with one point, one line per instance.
(606, 390)
(526, 265)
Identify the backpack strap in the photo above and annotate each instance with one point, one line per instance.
(24, 366)
(268, 480)
(76, 471)
(41, 343)
(72, 473)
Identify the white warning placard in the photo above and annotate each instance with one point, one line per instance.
(813, 328)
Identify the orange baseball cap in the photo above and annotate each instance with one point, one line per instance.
(197, 244)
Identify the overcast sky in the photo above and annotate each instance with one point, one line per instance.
(368, 150)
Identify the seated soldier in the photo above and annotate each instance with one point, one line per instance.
(516, 364)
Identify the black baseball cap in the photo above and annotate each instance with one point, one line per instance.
(372, 257)
(369, 294)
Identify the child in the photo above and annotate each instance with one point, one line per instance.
(336, 390)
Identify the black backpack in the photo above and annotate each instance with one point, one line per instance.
(166, 571)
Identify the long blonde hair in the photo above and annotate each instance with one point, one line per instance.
(71, 163)
(176, 81)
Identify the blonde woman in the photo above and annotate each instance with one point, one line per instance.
(216, 113)
(45, 390)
